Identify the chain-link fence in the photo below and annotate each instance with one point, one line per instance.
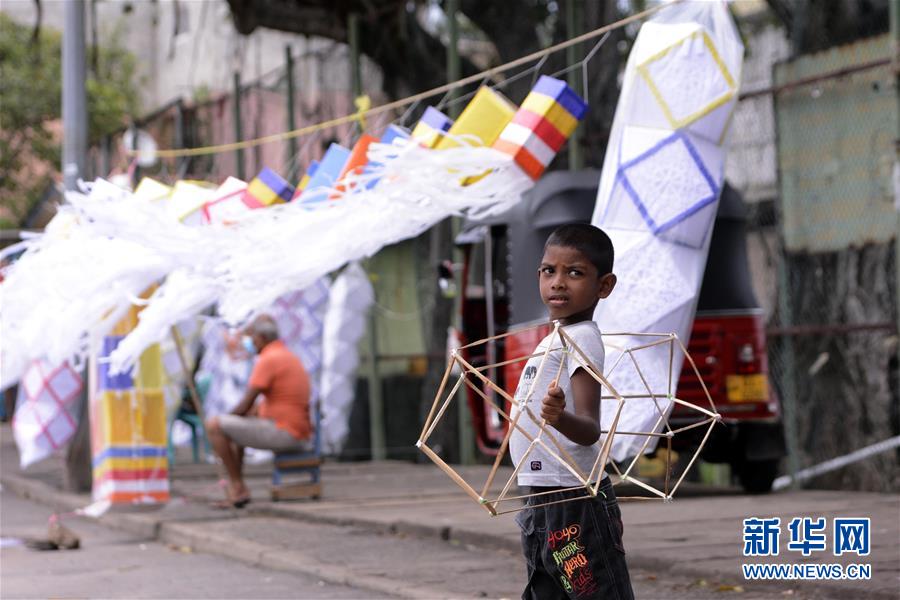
(814, 155)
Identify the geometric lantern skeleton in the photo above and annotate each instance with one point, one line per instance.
(660, 401)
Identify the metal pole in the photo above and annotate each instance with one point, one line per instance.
(78, 477)
(74, 96)
(180, 138)
(353, 42)
(238, 129)
(453, 64)
(574, 81)
(466, 433)
(105, 151)
(377, 440)
(291, 122)
(355, 72)
(376, 402)
(895, 64)
(491, 325)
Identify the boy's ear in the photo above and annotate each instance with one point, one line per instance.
(607, 283)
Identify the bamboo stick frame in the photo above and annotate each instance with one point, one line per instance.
(503, 447)
(643, 379)
(186, 372)
(475, 379)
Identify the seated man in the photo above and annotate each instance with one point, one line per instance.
(282, 422)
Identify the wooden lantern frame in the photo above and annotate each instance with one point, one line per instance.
(588, 482)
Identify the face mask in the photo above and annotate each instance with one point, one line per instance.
(247, 341)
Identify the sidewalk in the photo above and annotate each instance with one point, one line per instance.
(696, 535)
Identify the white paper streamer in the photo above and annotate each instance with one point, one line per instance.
(112, 246)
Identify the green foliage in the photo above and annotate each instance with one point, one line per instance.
(30, 108)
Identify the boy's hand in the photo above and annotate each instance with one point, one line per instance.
(553, 404)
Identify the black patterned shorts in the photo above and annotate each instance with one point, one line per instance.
(574, 549)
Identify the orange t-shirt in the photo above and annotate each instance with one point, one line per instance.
(280, 376)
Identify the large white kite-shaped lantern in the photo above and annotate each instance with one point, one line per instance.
(662, 177)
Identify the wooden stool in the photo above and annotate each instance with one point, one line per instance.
(307, 463)
(289, 464)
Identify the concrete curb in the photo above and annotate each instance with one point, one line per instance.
(447, 534)
(288, 560)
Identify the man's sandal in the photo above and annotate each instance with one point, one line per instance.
(229, 504)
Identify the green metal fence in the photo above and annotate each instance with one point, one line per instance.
(824, 248)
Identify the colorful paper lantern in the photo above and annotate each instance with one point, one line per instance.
(268, 188)
(326, 175)
(483, 118)
(128, 426)
(431, 127)
(187, 200)
(304, 181)
(392, 132)
(356, 162)
(542, 125)
(151, 189)
(230, 202)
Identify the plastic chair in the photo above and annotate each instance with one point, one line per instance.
(192, 420)
(308, 464)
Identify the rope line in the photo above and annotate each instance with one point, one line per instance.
(383, 108)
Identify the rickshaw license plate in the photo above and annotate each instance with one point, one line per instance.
(747, 388)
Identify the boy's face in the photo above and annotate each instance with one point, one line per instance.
(570, 285)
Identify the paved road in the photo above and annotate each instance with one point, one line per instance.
(113, 564)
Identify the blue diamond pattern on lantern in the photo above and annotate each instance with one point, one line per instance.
(668, 183)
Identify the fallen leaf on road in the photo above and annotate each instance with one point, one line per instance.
(650, 578)
(729, 588)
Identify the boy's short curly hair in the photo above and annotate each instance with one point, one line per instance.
(587, 239)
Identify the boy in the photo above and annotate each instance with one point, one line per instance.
(572, 549)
